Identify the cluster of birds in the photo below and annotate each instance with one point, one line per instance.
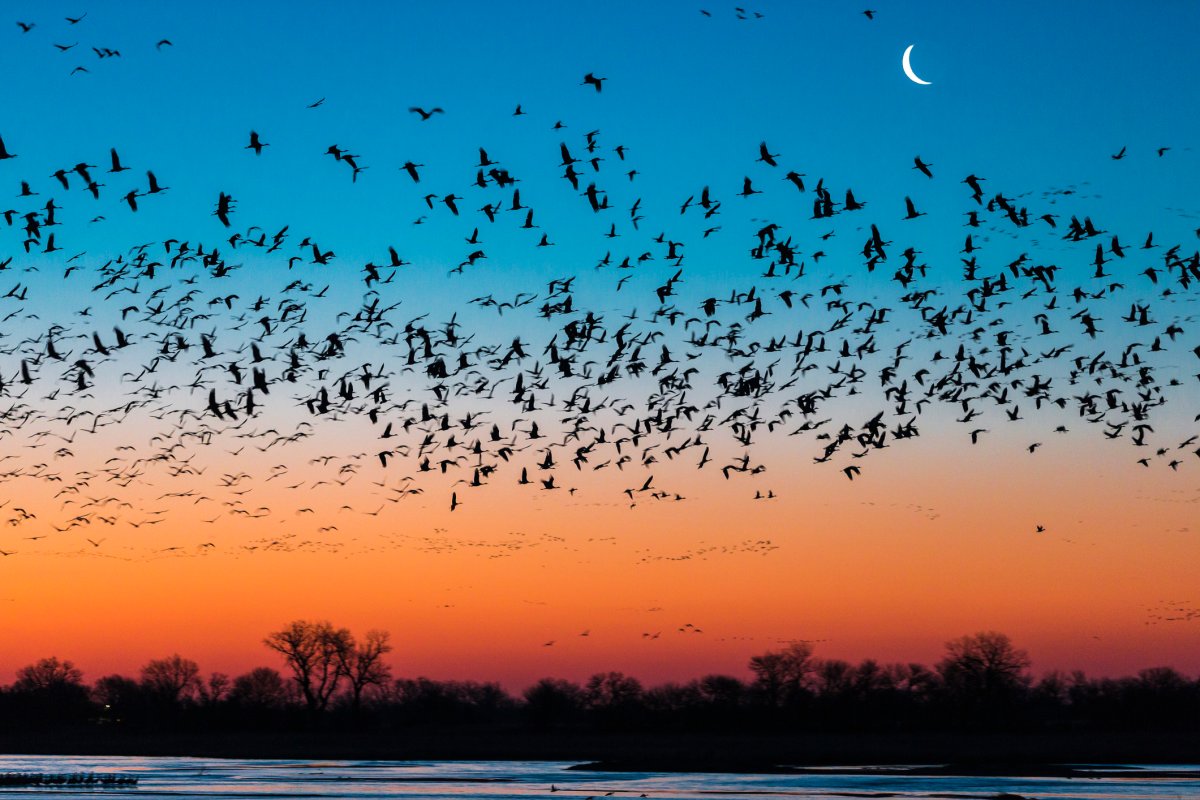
(70, 29)
(739, 12)
(211, 397)
(703, 551)
(1168, 611)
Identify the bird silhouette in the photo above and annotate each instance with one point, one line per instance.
(256, 144)
(912, 212)
(766, 156)
(423, 114)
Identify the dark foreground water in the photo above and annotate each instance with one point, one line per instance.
(545, 780)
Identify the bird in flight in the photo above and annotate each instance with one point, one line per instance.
(256, 144)
(116, 161)
(766, 156)
(425, 115)
(912, 212)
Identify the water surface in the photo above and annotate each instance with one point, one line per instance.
(548, 780)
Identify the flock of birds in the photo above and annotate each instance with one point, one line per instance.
(1169, 611)
(167, 394)
(101, 52)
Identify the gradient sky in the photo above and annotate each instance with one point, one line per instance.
(937, 538)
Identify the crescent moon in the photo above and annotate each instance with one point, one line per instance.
(908, 70)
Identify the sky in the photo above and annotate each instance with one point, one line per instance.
(149, 526)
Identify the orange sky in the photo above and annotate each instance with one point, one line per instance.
(926, 545)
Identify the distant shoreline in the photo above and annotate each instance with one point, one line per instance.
(1037, 754)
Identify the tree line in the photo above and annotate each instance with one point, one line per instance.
(331, 678)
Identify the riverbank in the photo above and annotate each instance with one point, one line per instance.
(658, 752)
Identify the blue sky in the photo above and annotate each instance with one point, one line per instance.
(1034, 97)
(1031, 95)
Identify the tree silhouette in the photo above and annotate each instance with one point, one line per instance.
(50, 691)
(982, 683)
(983, 674)
(363, 665)
(721, 691)
(120, 698)
(553, 701)
(316, 653)
(608, 690)
(47, 674)
(613, 698)
(782, 676)
(173, 679)
(261, 688)
(215, 689)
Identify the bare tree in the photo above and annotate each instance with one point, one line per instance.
(215, 689)
(56, 689)
(48, 673)
(552, 700)
(721, 690)
(173, 678)
(985, 666)
(612, 691)
(315, 652)
(835, 677)
(117, 694)
(783, 675)
(262, 688)
(363, 665)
